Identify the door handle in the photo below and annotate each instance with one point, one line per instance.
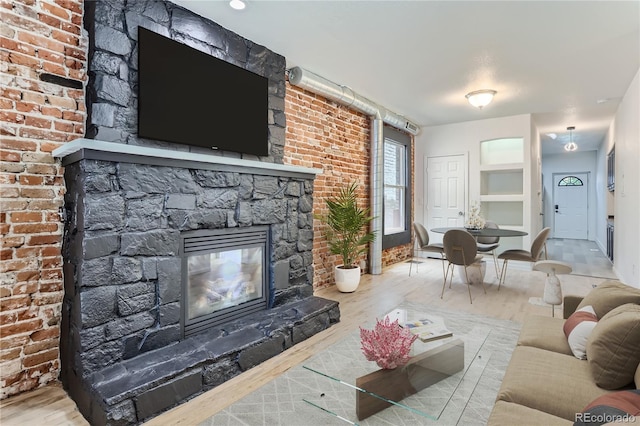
(460, 214)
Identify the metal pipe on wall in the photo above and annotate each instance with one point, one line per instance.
(376, 194)
(346, 96)
(379, 115)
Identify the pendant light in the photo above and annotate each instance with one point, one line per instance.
(571, 145)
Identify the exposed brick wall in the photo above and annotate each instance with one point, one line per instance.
(322, 134)
(396, 254)
(36, 37)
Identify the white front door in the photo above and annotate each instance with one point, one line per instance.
(446, 179)
(571, 206)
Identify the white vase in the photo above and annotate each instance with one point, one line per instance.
(347, 280)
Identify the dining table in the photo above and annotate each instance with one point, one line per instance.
(484, 232)
(476, 270)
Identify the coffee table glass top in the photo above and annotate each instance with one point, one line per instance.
(435, 386)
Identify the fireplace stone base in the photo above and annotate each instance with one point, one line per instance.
(142, 387)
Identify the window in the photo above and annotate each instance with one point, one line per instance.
(395, 175)
(570, 181)
(397, 188)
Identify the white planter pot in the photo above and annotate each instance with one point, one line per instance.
(347, 280)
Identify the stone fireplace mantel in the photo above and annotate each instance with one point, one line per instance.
(91, 149)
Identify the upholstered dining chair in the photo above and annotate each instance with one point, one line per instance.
(460, 249)
(422, 241)
(538, 245)
(490, 244)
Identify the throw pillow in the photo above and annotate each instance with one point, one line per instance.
(612, 407)
(608, 295)
(577, 328)
(613, 349)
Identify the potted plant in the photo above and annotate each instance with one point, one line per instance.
(347, 235)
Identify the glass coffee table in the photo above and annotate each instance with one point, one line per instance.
(435, 386)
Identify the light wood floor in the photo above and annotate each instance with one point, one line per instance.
(375, 296)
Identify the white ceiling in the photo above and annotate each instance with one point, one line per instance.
(553, 59)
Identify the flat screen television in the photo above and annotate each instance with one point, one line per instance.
(189, 97)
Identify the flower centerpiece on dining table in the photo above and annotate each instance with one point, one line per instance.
(475, 219)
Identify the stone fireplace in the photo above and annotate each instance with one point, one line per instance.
(179, 274)
(183, 267)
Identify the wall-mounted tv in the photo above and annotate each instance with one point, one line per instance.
(189, 97)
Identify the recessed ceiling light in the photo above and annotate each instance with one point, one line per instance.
(237, 4)
(602, 101)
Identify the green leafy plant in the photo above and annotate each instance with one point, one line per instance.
(347, 224)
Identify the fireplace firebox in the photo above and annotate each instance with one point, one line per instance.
(224, 276)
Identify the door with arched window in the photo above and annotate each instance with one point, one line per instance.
(571, 205)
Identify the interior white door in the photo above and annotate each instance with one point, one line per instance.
(571, 205)
(446, 179)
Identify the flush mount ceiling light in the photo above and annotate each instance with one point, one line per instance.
(480, 98)
(571, 145)
(237, 4)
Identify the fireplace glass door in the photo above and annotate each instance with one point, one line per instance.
(224, 276)
(223, 279)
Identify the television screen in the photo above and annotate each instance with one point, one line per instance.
(190, 97)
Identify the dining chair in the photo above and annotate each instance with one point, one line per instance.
(422, 241)
(538, 245)
(460, 249)
(489, 245)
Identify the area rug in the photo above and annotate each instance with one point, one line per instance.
(301, 397)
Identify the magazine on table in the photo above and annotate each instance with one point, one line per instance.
(428, 329)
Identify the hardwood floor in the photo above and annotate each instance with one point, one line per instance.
(375, 296)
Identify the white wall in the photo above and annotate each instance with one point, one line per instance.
(460, 138)
(537, 222)
(627, 194)
(571, 162)
(604, 198)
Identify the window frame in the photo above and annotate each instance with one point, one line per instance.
(404, 237)
(570, 181)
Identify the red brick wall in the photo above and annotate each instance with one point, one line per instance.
(322, 134)
(36, 117)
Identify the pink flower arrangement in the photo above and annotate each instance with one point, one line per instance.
(387, 344)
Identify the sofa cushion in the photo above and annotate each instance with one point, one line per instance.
(615, 406)
(544, 333)
(578, 328)
(608, 295)
(613, 349)
(507, 413)
(558, 384)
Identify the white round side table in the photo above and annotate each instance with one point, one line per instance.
(552, 289)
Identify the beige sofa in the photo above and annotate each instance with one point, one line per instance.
(544, 383)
